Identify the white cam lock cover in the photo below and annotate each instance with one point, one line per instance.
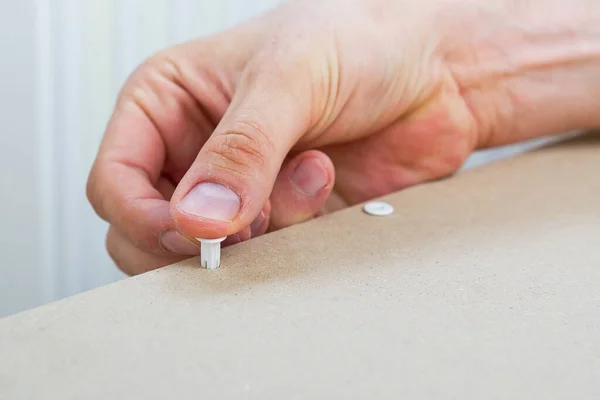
(378, 208)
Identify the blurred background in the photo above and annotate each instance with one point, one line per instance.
(62, 64)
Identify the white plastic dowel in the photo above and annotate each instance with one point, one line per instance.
(210, 252)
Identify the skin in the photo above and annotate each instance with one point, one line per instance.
(313, 107)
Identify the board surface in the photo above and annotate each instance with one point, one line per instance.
(483, 285)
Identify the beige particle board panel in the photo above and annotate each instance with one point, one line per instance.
(484, 285)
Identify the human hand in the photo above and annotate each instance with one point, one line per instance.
(244, 131)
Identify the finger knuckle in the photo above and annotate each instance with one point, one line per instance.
(93, 192)
(166, 64)
(151, 76)
(111, 248)
(244, 148)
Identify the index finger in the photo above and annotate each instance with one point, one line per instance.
(122, 183)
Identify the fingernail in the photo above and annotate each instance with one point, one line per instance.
(175, 243)
(310, 177)
(257, 224)
(212, 201)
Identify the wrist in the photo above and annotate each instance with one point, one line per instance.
(525, 68)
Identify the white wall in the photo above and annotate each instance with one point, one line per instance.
(19, 174)
(62, 63)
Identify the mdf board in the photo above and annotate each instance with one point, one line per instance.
(483, 285)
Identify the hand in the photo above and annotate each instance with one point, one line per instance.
(244, 131)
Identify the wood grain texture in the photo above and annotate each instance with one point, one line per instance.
(483, 285)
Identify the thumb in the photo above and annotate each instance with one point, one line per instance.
(234, 173)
